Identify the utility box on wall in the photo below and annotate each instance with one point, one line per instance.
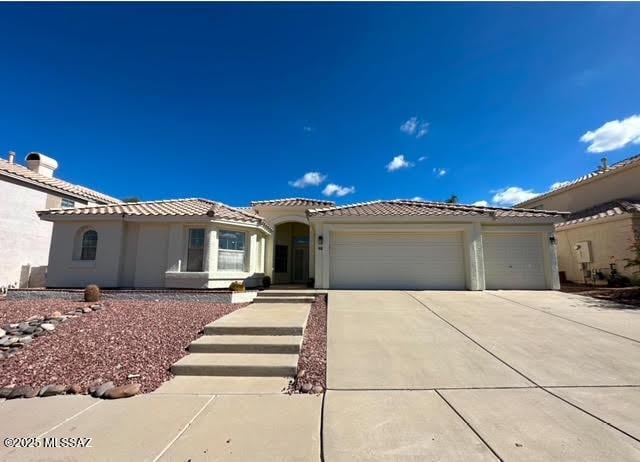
(583, 252)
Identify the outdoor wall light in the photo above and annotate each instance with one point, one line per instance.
(320, 240)
(552, 239)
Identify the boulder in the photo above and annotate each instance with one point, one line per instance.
(52, 390)
(99, 391)
(123, 391)
(317, 389)
(48, 326)
(86, 309)
(306, 387)
(2, 332)
(74, 389)
(4, 392)
(22, 391)
(55, 314)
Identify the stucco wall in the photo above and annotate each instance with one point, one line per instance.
(619, 185)
(146, 255)
(608, 239)
(24, 238)
(65, 271)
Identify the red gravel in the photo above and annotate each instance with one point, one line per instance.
(313, 357)
(18, 310)
(125, 337)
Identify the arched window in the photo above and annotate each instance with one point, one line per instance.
(89, 245)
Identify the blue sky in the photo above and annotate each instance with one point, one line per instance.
(238, 102)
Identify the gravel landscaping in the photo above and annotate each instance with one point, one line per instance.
(312, 364)
(125, 342)
(626, 295)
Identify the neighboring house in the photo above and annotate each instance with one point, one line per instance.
(197, 243)
(604, 220)
(24, 250)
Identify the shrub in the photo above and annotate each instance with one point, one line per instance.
(237, 287)
(92, 293)
(266, 282)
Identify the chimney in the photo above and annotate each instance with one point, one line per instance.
(12, 157)
(41, 164)
(604, 165)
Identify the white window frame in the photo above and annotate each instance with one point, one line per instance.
(230, 252)
(187, 247)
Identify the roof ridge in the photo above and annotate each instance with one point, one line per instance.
(293, 199)
(342, 207)
(25, 174)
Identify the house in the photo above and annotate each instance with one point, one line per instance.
(397, 244)
(24, 250)
(604, 220)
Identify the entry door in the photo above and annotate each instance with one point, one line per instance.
(300, 264)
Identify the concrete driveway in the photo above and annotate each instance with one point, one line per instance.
(481, 376)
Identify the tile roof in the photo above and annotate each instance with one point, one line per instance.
(162, 208)
(293, 202)
(570, 184)
(22, 173)
(424, 208)
(605, 210)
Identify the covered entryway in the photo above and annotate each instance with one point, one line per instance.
(291, 253)
(379, 260)
(513, 261)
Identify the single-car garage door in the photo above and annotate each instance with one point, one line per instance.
(513, 261)
(396, 261)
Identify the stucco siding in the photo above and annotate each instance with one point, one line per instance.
(24, 238)
(67, 271)
(620, 185)
(151, 257)
(608, 239)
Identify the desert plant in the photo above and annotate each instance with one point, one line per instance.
(92, 293)
(635, 249)
(266, 282)
(237, 286)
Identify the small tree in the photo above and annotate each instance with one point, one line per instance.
(131, 199)
(635, 249)
(452, 200)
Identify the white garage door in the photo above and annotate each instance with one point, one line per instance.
(513, 261)
(396, 261)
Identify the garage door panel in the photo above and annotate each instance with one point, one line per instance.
(513, 261)
(397, 261)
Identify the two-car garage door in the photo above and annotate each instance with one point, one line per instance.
(381, 260)
(397, 261)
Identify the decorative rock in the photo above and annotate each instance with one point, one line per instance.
(306, 387)
(99, 391)
(5, 391)
(95, 306)
(317, 389)
(3, 332)
(5, 341)
(47, 326)
(301, 374)
(29, 330)
(52, 390)
(35, 318)
(55, 314)
(22, 391)
(26, 339)
(22, 326)
(86, 309)
(74, 389)
(123, 391)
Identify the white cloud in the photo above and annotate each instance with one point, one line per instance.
(307, 128)
(481, 203)
(397, 163)
(439, 172)
(512, 195)
(417, 198)
(415, 127)
(558, 184)
(613, 135)
(308, 179)
(421, 158)
(337, 190)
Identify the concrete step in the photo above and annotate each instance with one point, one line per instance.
(252, 330)
(233, 364)
(279, 344)
(285, 293)
(281, 299)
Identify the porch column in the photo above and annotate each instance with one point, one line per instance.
(268, 255)
(210, 250)
(475, 257)
(550, 254)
